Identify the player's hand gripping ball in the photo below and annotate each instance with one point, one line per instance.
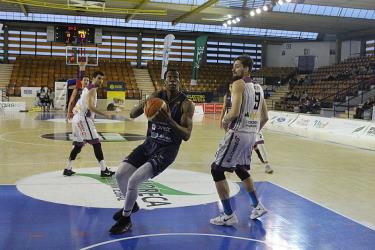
(153, 106)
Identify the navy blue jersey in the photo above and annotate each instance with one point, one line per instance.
(161, 132)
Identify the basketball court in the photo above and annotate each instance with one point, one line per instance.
(319, 197)
(321, 194)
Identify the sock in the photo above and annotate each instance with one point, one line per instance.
(69, 165)
(227, 207)
(126, 213)
(254, 198)
(103, 165)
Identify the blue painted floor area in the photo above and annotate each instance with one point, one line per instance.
(291, 223)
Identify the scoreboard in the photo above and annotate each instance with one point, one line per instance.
(75, 35)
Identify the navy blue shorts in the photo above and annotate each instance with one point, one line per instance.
(160, 156)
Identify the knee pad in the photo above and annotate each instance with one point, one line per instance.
(217, 175)
(242, 174)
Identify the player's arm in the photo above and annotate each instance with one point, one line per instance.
(183, 130)
(236, 97)
(223, 111)
(263, 115)
(92, 94)
(71, 103)
(137, 110)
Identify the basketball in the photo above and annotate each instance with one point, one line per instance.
(153, 106)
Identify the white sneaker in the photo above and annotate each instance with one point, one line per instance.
(257, 212)
(268, 169)
(225, 220)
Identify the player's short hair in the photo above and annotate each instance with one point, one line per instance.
(246, 61)
(85, 76)
(97, 73)
(171, 70)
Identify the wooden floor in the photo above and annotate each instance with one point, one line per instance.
(336, 177)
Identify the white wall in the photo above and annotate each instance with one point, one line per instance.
(350, 48)
(292, 51)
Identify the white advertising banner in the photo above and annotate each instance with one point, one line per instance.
(61, 91)
(12, 106)
(168, 40)
(29, 91)
(360, 134)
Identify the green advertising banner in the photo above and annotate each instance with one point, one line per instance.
(200, 44)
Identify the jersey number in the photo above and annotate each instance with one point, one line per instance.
(257, 100)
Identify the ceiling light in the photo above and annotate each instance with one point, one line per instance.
(280, 2)
(234, 21)
(229, 22)
(288, 1)
(258, 11)
(252, 13)
(229, 16)
(225, 25)
(238, 19)
(265, 7)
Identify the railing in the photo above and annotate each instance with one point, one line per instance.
(361, 86)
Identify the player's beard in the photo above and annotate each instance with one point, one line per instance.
(236, 77)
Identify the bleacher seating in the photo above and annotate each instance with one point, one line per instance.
(282, 72)
(343, 78)
(211, 77)
(37, 71)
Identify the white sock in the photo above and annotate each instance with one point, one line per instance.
(263, 153)
(103, 165)
(69, 165)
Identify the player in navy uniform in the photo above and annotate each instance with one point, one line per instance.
(164, 136)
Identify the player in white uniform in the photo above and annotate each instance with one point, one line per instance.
(245, 119)
(259, 147)
(83, 126)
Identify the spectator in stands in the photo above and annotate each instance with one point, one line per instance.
(307, 80)
(358, 112)
(363, 107)
(304, 95)
(315, 106)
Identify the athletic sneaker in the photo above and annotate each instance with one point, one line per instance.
(123, 225)
(106, 173)
(118, 214)
(225, 220)
(257, 211)
(268, 169)
(68, 172)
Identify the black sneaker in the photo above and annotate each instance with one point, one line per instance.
(106, 173)
(68, 172)
(118, 214)
(123, 225)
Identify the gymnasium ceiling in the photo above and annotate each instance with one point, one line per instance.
(217, 11)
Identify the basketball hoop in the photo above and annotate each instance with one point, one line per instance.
(82, 56)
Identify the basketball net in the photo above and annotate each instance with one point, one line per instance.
(82, 66)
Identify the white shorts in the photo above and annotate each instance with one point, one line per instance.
(259, 139)
(84, 129)
(235, 150)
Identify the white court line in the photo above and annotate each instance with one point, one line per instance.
(369, 226)
(89, 162)
(173, 234)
